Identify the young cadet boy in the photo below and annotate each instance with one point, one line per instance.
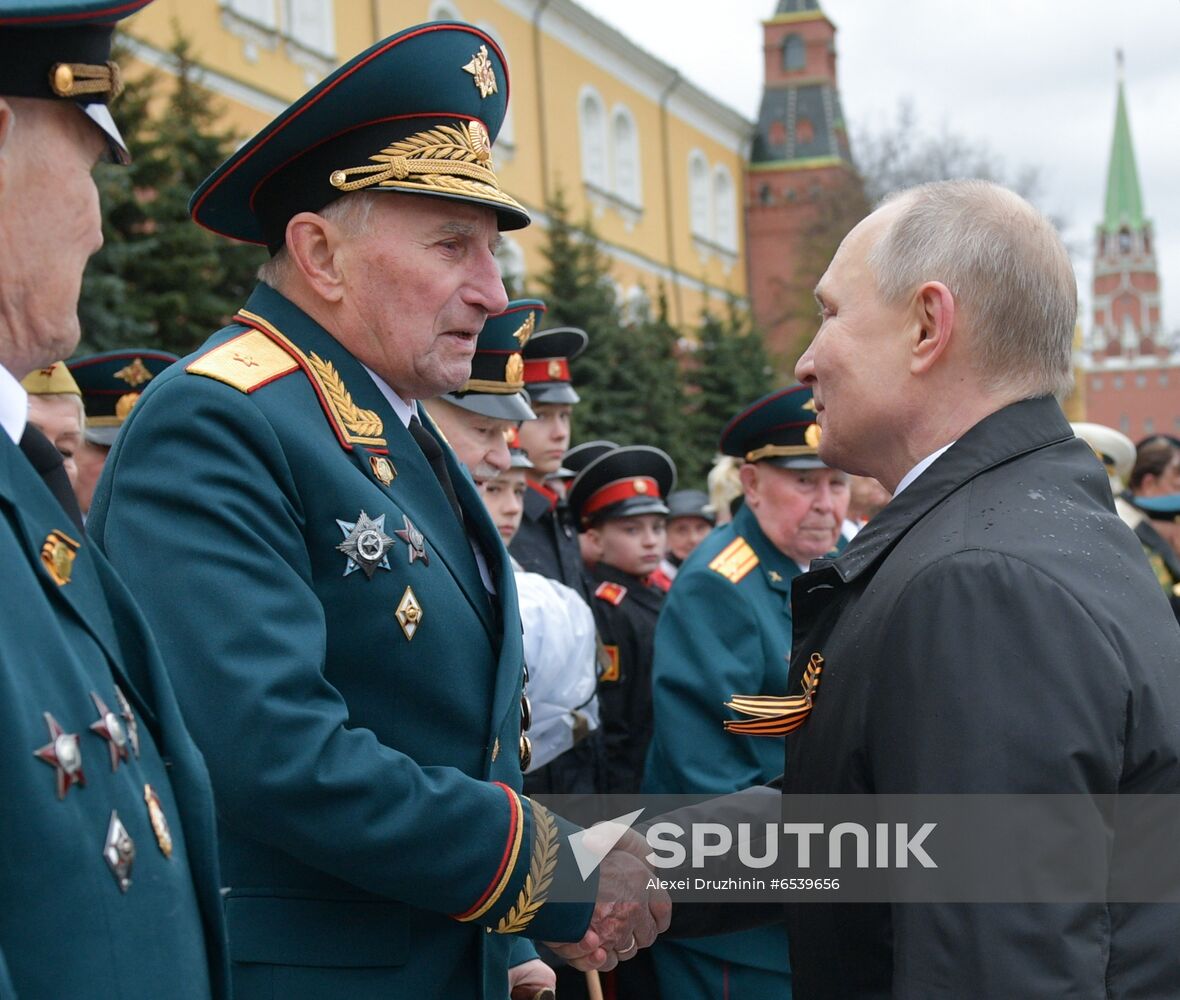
(618, 499)
(547, 540)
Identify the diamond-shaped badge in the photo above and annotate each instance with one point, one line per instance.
(409, 613)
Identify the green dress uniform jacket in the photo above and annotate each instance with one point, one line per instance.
(72, 639)
(994, 630)
(359, 707)
(725, 629)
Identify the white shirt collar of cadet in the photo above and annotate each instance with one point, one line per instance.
(417, 112)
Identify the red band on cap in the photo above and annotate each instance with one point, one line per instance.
(623, 489)
(547, 370)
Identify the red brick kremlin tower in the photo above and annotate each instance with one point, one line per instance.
(800, 152)
(1132, 369)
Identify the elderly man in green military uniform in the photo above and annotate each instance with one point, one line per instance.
(110, 873)
(725, 629)
(352, 676)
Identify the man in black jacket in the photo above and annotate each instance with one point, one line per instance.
(995, 629)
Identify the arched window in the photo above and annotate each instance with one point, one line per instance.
(724, 209)
(698, 194)
(592, 125)
(625, 150)
(794, 53)
(262, 12)
(440, 10)
(1124, 240)
(311, 24)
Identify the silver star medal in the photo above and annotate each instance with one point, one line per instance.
(365, 543)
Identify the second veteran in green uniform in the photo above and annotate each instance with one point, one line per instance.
(725, 630)
(345, 643)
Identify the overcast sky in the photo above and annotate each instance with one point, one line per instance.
(1033, 80)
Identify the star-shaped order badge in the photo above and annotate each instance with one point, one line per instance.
(415, 542)
(110, 727)
(63, 753)
(365, 544)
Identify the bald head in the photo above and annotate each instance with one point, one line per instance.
(1006, 267)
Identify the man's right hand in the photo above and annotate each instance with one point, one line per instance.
(628, 914)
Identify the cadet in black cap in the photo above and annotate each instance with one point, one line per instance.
(619, 498)
(690, 518)
(110, 877)
(352, 673)
(547, 540)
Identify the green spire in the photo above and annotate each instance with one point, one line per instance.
(1124, 204)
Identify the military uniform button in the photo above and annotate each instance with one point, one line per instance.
(526, 753)
(526, 714)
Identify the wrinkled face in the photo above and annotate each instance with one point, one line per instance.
(857, 364)
(503, 496)
(90, 459)
(49, 227)
(634, 544)
(685, 534)
(419, 282)
(479, 442)
(547, 438)
(59, 418)
(800, 510)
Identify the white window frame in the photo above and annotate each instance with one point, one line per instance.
(592, 130)
(626, 167)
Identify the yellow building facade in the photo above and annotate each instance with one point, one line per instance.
(654, 161)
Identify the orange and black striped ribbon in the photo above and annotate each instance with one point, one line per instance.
(774, 716)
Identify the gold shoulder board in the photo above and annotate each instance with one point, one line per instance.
(247, 362)
(735, 560)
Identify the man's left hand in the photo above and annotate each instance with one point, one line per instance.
(528, 979)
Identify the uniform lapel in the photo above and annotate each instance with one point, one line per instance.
(36, 516)
(345, 387)
(777, 569)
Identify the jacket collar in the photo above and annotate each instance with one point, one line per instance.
(778, 568)
(1015, 430)
(365, 424)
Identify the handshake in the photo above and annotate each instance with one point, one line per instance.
(628, 912)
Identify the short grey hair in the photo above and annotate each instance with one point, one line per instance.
(352, 212)
(1006, 267)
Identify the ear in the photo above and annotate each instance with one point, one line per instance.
(314, 245)
(748, 474)
(935, 313)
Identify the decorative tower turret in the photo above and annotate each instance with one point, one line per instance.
(1132, 379)
(799, 165)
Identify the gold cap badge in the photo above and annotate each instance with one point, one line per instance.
(526, 329)
(481, 70)
(135, 373)
(812, 435)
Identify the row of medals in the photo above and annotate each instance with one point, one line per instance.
(63, 753)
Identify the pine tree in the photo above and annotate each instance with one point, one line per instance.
(160, 280)
(730, 369)
(578, 291)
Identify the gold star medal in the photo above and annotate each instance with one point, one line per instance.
(365, 544)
